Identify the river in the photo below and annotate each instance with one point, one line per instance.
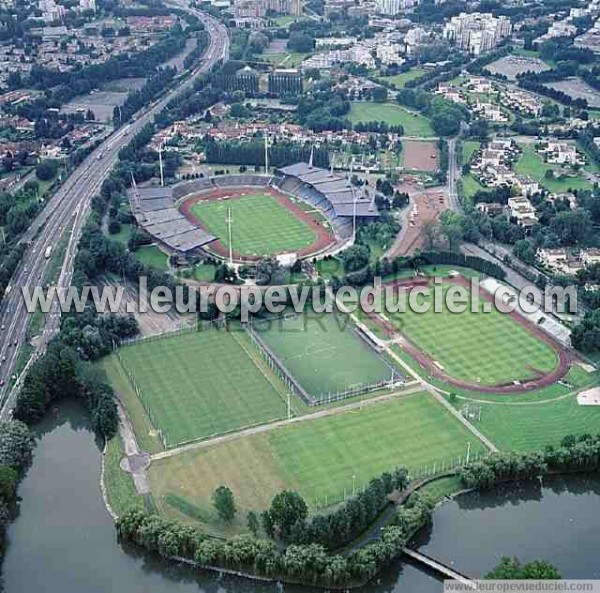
(64, 540)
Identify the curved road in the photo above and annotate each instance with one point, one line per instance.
(66, 212)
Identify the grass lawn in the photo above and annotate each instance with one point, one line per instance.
(470, 186)
(414, 124)
(317, 458)
(532, 426)
(151, 255)
(120, 489)
(261, 225)
(200, 384)
(532, 164)
(323, 353)
(123, 235)
(286, 20)
(489, 348)
(289, 60)
(330, 267)
(200, 272)
(469, 148)
(400, 80)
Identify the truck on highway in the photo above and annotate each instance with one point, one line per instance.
(48, 252)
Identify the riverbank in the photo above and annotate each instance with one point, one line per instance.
(65, 532)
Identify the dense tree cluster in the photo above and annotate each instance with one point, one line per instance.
(281, 154)
(348, 521)
(445, 115)
(580, 453)
(307, 563)
(16, 452)
(512, 569)
(61, 373)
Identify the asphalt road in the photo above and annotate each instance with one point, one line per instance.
(66, 213)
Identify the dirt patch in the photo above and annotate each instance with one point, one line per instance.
(324, 237)
(425, 208)
(420, 156)
(429, 365)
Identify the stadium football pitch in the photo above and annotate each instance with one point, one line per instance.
(200, 384)
(261, 225)
(323, 352)
(485, 348)
(319, 458)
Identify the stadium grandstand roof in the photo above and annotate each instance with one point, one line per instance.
(154, 210)
(336, 190)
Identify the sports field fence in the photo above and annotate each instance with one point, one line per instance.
(436, 469)
(143, 399)
(182, 329)
(278, 367)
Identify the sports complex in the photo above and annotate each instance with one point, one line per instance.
(302, 210)
(322, 403)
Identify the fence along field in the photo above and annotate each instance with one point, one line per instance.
(324, 459)
(198, 384)
(324, 356)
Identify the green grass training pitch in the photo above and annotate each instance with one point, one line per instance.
(414, 124)
(318, 457)
(485, 348)
(530, 421)
(200, 384)
(323, 352)
(261, 225)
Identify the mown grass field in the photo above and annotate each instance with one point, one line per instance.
(261, 225)
(532, 164)
(400, 80)
(470, 186)
(318, 458)
(323, 353)
(414, 124)
(469, 148)
(200, 384)
(533, 425)
(486, 348)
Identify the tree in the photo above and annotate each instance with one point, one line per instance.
(512, 569)
(380, 94)
(287, 509)
(571, 226)
(300, 42)
(525, 251)
(253, 523)
(16, 445)
(8, 483)
(224, 503)
(46, 170)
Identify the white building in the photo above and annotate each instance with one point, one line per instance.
(394, 7)
(477, 32)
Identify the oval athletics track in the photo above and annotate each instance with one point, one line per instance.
(428, 363)
(324, 238)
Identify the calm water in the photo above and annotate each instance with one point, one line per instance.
(64, 540)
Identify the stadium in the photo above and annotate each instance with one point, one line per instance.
(299, 212)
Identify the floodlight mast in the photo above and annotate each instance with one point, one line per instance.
(160, 164)
(266, 152)
(229, 221)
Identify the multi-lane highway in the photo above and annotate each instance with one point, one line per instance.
(65, 213)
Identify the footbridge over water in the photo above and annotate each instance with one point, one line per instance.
(440, 568)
